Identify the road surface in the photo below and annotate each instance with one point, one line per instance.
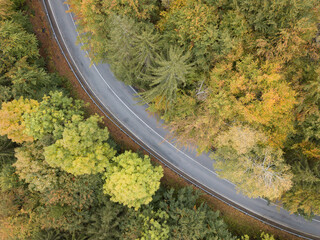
(120, 101)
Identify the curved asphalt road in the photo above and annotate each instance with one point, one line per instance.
(118, 99)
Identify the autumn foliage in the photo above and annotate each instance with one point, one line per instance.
(222, 67)
(11, 119)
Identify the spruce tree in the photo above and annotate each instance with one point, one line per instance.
(168, 74)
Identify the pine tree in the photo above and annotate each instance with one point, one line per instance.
(6, 151)
(303, 198)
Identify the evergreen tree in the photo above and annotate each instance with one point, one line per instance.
(105, 222)
(168, 75)
(145, 47)
(139, 9)
(120, 46)
(15, 43)
(271, 17)
(303, 198)
(187, 219)
(6, 151)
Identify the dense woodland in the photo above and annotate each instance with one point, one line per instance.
(239, 78)
(63, 177)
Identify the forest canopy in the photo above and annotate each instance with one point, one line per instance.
(240, 77)
(62, 176)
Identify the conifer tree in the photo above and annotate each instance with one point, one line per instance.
(145, 48)
(303, 198)
(15, 43)
(168, 75)
(120, 47)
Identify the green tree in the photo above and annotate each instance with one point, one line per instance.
(30, 81)
(6, 9)
(210, 30)
(83, 149)
(31, 167)
(120, 47)
(105, 221)
(139, 9)
(8, 178)
(270, 17)
(131, 180)
(168, 75)
(132, 49)
(145, 47)
(303, 198)
(189, 220)
(51, 116)
(94, 25)
(70, 206)
(11, 119)
(155, 225)
(15, 43)
(66, 203)
(266, 236)
(6, 151)
(307, 136)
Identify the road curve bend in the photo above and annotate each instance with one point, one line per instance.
(119, 102)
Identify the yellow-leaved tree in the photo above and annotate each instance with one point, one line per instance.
(258, 170)
(11, 119)
(83, 149)
(131, 180)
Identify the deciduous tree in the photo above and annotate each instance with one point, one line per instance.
(257, 169)
(83, 149)
(31, 167)
(131, 180)
(11, 119)
(139, 9)
(51, 116)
